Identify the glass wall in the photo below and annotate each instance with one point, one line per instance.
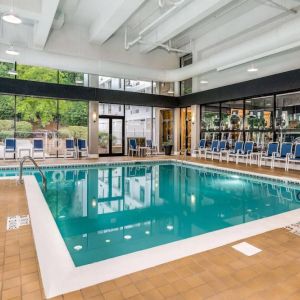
(248, 119)
(34, 73)
(185, 126)
(6, 68)
(186, 86)
(232, 121)
(163, 88)
(111, 83)
(138, 86)
(139, 124)
(7, 121)
(287, 119)
(28, 118)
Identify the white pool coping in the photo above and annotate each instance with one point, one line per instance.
(60, 276)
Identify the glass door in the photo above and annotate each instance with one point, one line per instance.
(111, 136)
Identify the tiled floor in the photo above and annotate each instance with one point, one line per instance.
(222, 273)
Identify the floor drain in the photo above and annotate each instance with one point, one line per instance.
(294, 228)
(14, 222)
(246, 248)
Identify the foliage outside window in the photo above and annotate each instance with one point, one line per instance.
(34, 73)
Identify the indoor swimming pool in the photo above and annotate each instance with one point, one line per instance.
(108, 211)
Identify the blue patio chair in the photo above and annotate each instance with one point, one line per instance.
(272, 150)
(286, 149)
(70, 148)
(133, 148)
(38, 147)
(238, 149)
(201, 148)
(9, 147)
(246, 152)
(82, 147)
(151, 149)
(214, 147)
(293, 158)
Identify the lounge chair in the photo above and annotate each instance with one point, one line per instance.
(38, 147)
(82, 147)
(270, 153)
(286, 149)
(9, 147)
(201, 148)
(238, 149)
(70, 148)
(133, 148)
(214, 147)
(246, 152)
(293, 158)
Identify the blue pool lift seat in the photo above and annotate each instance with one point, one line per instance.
(82, 147)
(133, 148)
(70, 148)
(286, 149)
(271, 152)
(237, 150)
(214, 148)
(293, 158)
(38, 147)
(201, 148)
(9, 147)
(246, 152)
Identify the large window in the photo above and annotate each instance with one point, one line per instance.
(73, 78)
(36, 118)
(7, 120)
(186, 86)
(73, 122)
(138, 86)
(287, 121)
(7, 69)
(34, 73)
(163, 88)
(138, 123)
(111, 83)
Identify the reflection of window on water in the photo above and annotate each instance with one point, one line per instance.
(142, 194)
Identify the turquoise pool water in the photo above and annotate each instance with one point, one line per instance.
(107, 211)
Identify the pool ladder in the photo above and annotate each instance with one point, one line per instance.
(44, 180)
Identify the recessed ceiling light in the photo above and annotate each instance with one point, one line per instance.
(252, 70)
(203, 81)
(11, 18)
(12, 72)
(127, 237)
(12, 51)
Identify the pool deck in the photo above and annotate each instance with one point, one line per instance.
(221, 273)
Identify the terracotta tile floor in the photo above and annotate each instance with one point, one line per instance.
(221, 273)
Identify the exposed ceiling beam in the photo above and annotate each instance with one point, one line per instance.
(179, 22)
(43, 26)
(116, 15)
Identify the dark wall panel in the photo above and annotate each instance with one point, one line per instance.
(278, 83)
(51, 90)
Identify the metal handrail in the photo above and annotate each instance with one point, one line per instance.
(44, 180)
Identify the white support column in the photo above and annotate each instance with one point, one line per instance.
(195, 130)
(93, 128)
(176, 130)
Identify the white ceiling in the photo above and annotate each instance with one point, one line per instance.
(78, 34)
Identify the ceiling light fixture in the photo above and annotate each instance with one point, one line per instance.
(203, 81)
(11, 18)
(252, 69)
(12, 51)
